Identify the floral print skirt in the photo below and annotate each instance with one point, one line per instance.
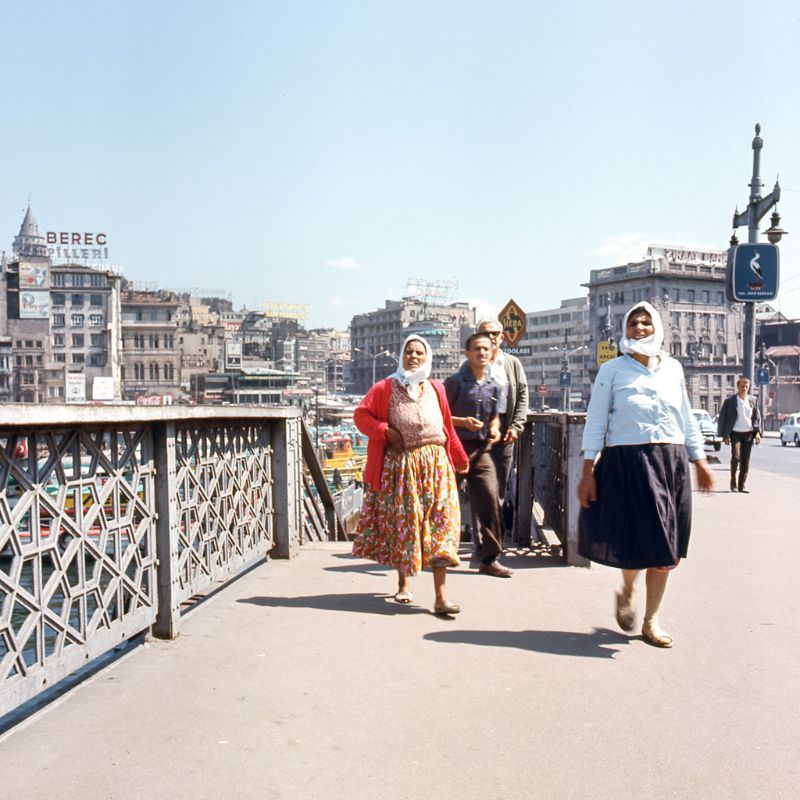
(414, 521)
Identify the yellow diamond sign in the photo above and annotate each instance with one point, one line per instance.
(605, 352)
(512, 318)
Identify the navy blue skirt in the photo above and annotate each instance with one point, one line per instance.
(643, 513)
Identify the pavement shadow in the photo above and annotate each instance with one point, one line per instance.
(358, 603)
(598, 644)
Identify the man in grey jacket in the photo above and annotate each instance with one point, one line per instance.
(506, 369)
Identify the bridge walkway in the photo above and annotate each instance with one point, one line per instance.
(303, 679)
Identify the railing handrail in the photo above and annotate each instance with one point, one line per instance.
(27, 414)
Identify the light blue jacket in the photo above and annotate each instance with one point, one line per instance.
(633, 404)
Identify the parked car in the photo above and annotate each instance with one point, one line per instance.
(707, 428)
(790, 430)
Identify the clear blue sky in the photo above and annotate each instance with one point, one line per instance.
(325, 152)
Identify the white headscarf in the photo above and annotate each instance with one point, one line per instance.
(412, 380)
(650, 346)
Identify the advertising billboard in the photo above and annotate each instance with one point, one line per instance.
(32, 276)
(75, 387)
(34, 305)
(103, 388)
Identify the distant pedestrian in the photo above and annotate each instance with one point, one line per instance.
(739, 425)
(636, 501)
(411, 518)
(337, 479)
(474, 394)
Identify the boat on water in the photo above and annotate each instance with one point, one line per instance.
(343, 450)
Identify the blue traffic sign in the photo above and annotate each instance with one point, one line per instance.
(565, 380)
(753, 272)
(762, 376)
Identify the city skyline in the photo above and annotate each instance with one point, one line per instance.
(325, 153)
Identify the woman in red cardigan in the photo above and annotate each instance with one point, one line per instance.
(411, 518)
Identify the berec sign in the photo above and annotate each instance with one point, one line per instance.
(67, 244)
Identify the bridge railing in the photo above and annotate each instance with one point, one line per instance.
(112, 518)
(548, 467)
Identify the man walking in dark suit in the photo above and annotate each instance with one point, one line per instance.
(739, 425)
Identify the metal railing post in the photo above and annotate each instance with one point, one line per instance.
(286, 463)
(168, 618)
(572, 474)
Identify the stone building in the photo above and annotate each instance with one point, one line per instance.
(377, 336)
(62, 321)
(701, 328)
(150, 356)
(557, 338)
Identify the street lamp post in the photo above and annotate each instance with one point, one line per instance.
(757, 207)
(373, 357)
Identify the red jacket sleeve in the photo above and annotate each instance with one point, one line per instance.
(367, 417)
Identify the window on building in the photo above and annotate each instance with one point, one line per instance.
(169, 341)
(76, 299)
(77, 358)
(95, 320)
(77, 340)
(58, 340)
(18, 360)
(59, 298)
(39, 344)
(720, 298)
(706, 296)
(58, 279)
(27, 378)
(60, 358)
(95, 300)
(690, 295)
(28, 361)
(58, 320)
(76, 320)
(122, 372)
(76, 279)
(138, 371)
(39, 360)
(153, 372)
(29, 343)
(97, 280)
(98, 339)
(168, 372)
(97, 359)
(153, 341)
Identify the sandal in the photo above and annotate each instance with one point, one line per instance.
(404, 597)
(653, 634)
(626, 612)
(446, 609)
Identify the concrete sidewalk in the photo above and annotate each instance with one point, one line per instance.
(304, 679)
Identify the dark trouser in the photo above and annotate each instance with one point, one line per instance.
(482, 491)
(741, 445)
(502, 455)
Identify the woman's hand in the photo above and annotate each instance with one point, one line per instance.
(395, 440)
(705, 477)
(587, 488)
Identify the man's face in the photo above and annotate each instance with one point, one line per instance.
(480, 352)
(495, 332)
(743, 386)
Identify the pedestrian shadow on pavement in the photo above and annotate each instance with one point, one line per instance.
(360, 603)
(598, 644)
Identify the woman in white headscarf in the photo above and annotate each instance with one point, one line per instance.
(636, 500)
(411, 517)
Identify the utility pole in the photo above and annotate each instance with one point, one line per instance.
(756, 209)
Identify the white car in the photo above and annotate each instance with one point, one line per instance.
(707, 428)
(790, 430)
